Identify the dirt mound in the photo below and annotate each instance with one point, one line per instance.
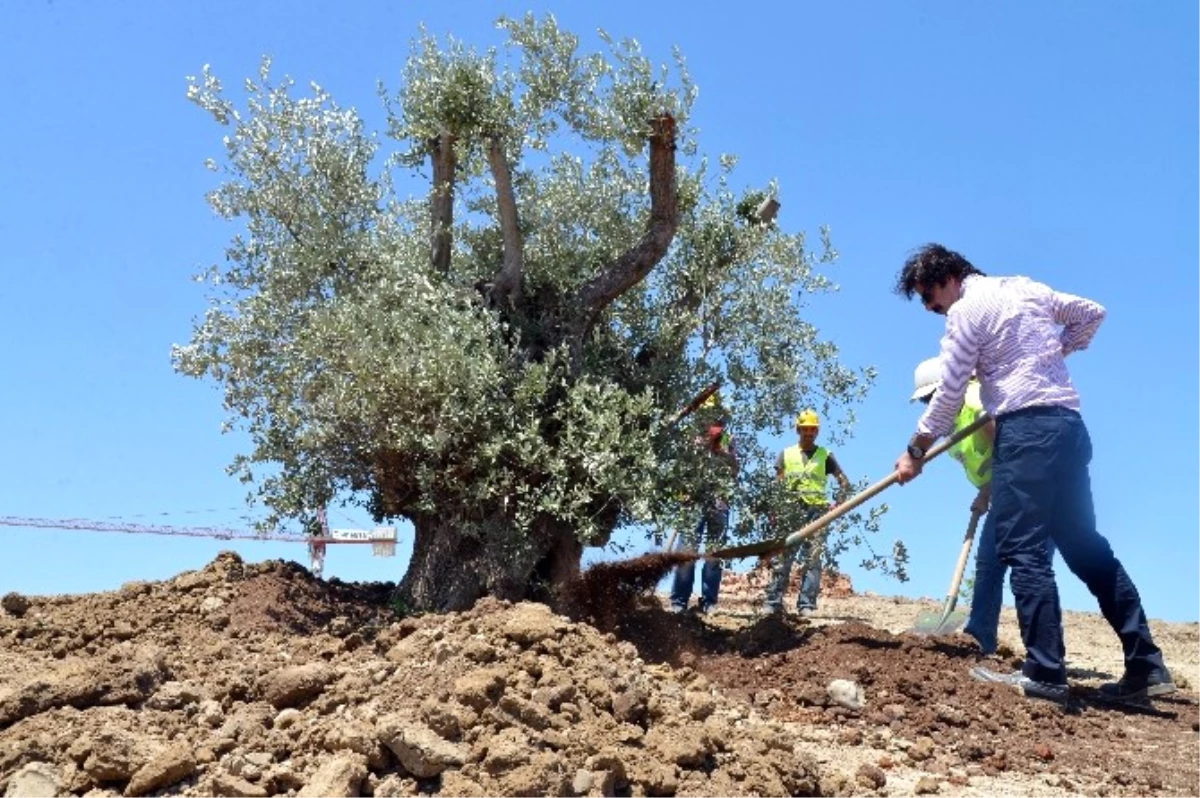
(261, 680)
(920, 706)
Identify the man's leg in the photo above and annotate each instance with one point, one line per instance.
(781, 571)
(988, 593)
(808, 558)
(1023, 505)
(685, 573)
(710, 572)
(1090, 557)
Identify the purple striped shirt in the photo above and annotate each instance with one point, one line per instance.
(1006, 331)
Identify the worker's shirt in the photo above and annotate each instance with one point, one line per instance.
(1006, 331)
(973, 452)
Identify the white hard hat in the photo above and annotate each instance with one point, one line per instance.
(928, 378)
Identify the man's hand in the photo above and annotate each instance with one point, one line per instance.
(908, 468)
(982, 499)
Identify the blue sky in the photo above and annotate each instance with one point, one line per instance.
(1057, 140)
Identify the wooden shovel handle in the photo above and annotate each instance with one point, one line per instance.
(963, 556)
(696, 401)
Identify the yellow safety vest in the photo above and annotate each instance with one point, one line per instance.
(806, 475)
(974, 451)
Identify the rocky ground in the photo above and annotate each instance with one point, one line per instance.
(258, 680)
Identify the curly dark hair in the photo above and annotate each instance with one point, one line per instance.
(931, 265)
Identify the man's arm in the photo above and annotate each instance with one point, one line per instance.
(834, 469)
(1080, 317)
(960, 353)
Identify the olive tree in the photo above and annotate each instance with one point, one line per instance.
(499, 358)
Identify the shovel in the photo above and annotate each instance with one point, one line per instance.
(948, 621)
(765, 547)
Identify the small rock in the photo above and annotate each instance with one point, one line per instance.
(260, 759)
(630, 706)
(174, 695)
(582, 782)
(420, 750)
(922, 749)
(210, 713)
(36, 779)
(851, 736)
(481, 688)
(229, 784)
(951, 716)
(846, 693)
(1043, 752)
(288, 687)
(173, 764)
(340, 776)
(870, 776)
(530, 623)
(286, 718)
(926, 785)
(115, 754)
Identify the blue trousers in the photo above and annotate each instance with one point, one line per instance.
(983, 624)
(810, 567)
(1041, 491)
(711, 532)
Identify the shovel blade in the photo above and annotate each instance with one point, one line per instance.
(940, 622)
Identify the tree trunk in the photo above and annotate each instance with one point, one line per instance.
(450, 571)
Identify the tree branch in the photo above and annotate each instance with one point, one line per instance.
(508, 282)
(684, 309)
(638, 260)
(441, 201)
(682, 319)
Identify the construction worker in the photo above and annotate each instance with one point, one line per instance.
(1015, 334)
(804, 469)
(716, 440)
(974, 453)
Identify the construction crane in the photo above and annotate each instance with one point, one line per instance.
(150, 529)
(382, 539)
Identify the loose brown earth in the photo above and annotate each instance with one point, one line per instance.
(246, 679)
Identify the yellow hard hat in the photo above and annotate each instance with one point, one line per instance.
(808, 418)
(712, 401)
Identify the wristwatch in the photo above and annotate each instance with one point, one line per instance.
(915, 452)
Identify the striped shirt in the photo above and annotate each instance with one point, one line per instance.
(1006, 331)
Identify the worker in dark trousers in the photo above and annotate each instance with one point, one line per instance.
(709, 533)
(974, 454)
(1014, 334)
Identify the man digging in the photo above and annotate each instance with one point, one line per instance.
(1006, 330)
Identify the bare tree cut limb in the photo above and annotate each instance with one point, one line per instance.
(441, 204)
(508, 282)
(638, 260)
